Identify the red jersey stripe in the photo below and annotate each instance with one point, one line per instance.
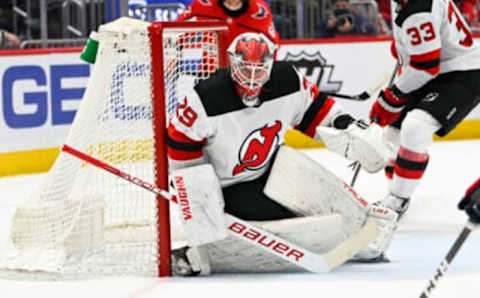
(322, 113)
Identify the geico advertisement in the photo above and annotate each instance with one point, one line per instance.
(39, 97)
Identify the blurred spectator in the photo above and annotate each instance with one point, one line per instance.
(8, 40)
(384, 10)
(6, 16)
(468, 10)
(343, 20)
(240, 15)
(283, 25)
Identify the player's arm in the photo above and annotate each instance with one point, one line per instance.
(420, 60)
(317, 109)
(269, 28)
(325, 120)
(188, 132)
(421, 37)
(190, 12)
(260, 20)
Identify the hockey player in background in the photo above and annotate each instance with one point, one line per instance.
(471, 202)
(240, 15)
(235, 121)
(437, 86)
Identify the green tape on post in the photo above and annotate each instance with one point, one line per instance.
(89, 53)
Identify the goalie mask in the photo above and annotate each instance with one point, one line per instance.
(251, 60)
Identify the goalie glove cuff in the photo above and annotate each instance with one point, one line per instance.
(342, 121)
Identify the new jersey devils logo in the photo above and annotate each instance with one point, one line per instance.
(258, 147)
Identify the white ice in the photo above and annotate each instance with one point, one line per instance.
(425, 235)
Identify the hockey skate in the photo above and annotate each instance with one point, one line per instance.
(180, 264)
(375, 251)
(190, 261)
(396, 203)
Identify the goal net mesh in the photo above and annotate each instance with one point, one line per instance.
(84, 221)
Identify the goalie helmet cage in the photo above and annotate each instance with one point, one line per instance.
(82, 222)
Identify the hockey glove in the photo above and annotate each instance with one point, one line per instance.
(388, 107)
(471, 202)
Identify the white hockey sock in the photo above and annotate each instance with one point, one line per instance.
(415, 138)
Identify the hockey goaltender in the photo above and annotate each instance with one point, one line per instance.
(283, 211)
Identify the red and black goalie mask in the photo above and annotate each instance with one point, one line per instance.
(251, 60)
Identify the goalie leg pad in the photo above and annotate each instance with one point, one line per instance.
(201, 204)
(365, 145)
(307, 188)
(318, 234)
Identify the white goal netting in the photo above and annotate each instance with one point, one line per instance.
(82, 221)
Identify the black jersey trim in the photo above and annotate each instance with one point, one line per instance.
(184, 146)
(218, 95)
(312, 112)
(284, 80)
(413, 7)
(425, 65)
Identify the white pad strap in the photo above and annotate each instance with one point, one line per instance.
(365, 145)
(387, 223)
(201, 204)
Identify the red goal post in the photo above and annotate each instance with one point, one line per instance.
(81, 222)
(159, 63)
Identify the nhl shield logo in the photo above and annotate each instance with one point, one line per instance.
(315, 68)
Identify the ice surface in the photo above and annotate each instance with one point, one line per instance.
(425, 235)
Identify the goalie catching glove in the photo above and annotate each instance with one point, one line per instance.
(357, 141)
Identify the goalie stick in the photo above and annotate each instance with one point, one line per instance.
(440, 271)
(356, 165)
(318, 263)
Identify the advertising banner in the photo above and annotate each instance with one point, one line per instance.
(40, 92)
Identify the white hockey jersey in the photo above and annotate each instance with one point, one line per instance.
(212, 124)
(431, 38)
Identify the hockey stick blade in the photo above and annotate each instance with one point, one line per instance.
(318, 263)
(349, 247)
(440, 271)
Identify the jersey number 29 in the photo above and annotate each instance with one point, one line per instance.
(186, 114)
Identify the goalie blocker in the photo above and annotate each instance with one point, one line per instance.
(330, 214)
